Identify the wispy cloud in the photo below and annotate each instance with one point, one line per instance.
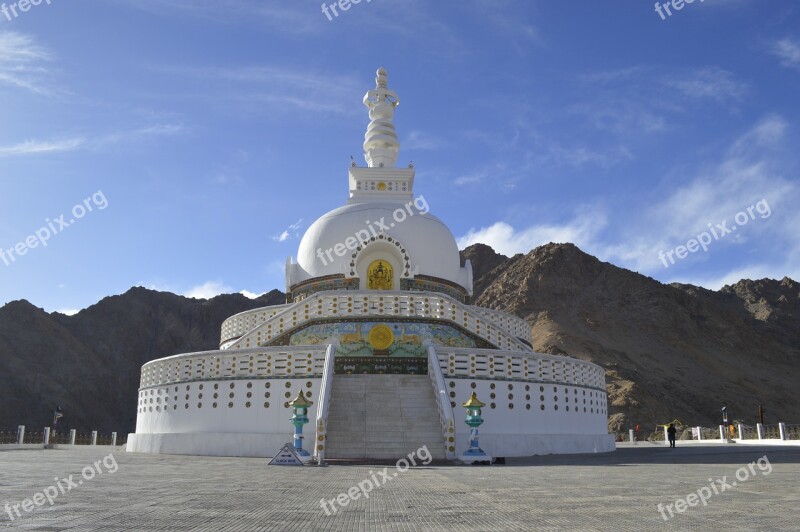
(788, 51)
(419, 141)
(37, 147)
(287, 17)
(756, 166)
(711, 82)
(747, 173)
(290, 231)
(33, 147)
(24, 64)
(277, 89)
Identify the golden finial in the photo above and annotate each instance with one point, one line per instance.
(473, 402)
(300, 401)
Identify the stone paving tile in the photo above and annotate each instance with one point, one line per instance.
(618, 491)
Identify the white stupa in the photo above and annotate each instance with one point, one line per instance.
(379, 336)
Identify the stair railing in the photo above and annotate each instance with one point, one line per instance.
(446, 417)
(324, 405)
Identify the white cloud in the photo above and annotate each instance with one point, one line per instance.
(582, 230)
(208, 290)
(287, 233)
(747, 174)
(251, 295)
(68, 311)
(277, 89)
(33, 147)
(419, 141)
(711, 82)
(23, 63)
(752, 272)
(788, 51)
(282, 16)
(30, 147)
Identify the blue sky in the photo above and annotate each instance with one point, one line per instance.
(212, 134)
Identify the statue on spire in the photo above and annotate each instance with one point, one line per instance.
(381, 146)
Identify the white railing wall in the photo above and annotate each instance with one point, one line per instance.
(378, 305)
(239, 364)
(323, 405)
(239, 324)
(446, 417)
(508, 322)
(527, 366)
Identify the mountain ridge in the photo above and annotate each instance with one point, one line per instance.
(669, 351)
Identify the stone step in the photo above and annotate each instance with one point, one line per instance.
(383, 416)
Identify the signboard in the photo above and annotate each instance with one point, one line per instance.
(695, 433)
(286, 456)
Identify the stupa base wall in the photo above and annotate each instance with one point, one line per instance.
(266, 445)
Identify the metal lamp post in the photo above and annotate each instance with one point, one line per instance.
(474, 420)
(300, 417)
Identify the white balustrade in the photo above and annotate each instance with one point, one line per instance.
(236, 364)
(380, 305)
(525, 366)
(239, 324)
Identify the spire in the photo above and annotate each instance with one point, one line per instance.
(380, 143)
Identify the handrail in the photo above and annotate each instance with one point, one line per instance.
(446, 417)
(239, 324)
(324, 404)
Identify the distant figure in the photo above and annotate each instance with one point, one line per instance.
(671, 434)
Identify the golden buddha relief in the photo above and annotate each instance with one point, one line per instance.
(380, 276)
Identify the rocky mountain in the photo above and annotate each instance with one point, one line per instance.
(670, 351)
(89, 363)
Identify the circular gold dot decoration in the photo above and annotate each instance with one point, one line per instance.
(381, 337)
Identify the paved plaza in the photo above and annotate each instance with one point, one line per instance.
(617, 491)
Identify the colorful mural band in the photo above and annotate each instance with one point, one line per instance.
(372, 338)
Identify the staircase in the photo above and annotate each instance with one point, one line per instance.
(383, 417)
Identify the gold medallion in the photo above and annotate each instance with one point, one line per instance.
(381, 337)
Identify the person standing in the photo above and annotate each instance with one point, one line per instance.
(671, 434)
